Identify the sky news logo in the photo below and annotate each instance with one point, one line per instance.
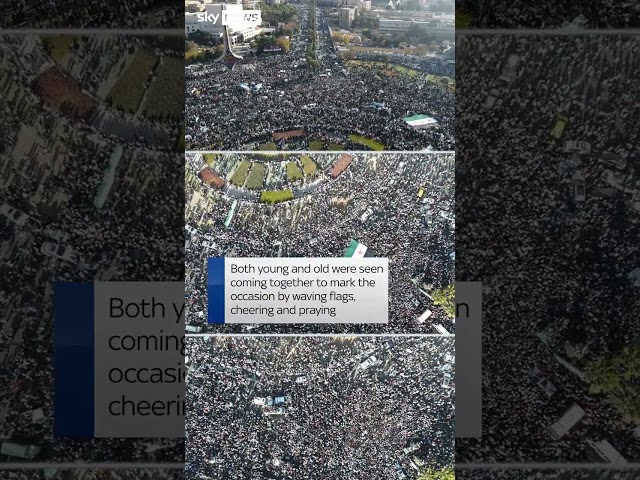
(231, 18)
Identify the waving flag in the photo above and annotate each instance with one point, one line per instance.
(358, 250)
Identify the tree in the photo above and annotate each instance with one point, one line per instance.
(629, 361)
(617, 376)
(446, 299)
(421, 49)
(347, 55)
(446, 473)
(203, 39)
(464, 18)
(190, 46)
(284, 43)
(337, 37)
(601, 373)
(626, 399)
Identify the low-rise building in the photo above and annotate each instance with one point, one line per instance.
(395, 26)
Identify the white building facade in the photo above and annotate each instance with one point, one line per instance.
(237, 33)
(359, 4)
(398, 26)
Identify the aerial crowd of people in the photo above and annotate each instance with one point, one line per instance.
(330, 104)
(399, 206)
(76, 14)
(550, 227)
(58, 194)
(93, 474)
(350, 406)
(523, 14)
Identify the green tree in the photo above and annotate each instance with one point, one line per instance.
(626, 399)
(629, 361)
(601, 373)
(337, 37)
(284, 43)
(446, 473)
(190, 45)
(446, 299)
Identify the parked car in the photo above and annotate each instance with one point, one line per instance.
(400, 471)
(579, 189)
(576, 146)
(274, 410)
(510, 68)
(623, 182)
(369, 362)
(491, 99)
(58, 235)
(560, 123)
(13, 215)
(411, 448)
(547, 387)
(445, 367)
(209, 244)
(614, 160)
(60, 252)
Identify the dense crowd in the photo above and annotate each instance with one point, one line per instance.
(312, 225)
(330, 104)
(92, 474)
(57, 188)
(554, 261)
(77, 14)
(593, 473)
(524, 14)
(340, 419)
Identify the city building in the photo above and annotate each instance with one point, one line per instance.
(347, 15)
(359, 4)
(192, 6)
(395, 26)
(237, 33)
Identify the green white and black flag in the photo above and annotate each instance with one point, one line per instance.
(358, 250)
